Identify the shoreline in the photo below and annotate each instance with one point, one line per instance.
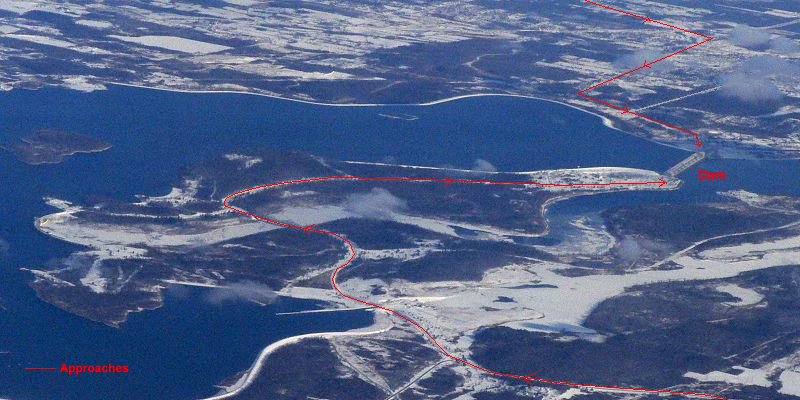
(607, 122)
(61, 157)
(252, 373)
(324, 310)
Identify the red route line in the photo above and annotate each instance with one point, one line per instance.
(447, 181)
(625, 109)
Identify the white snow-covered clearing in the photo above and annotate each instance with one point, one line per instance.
(753, 377)
(570, 393)
(585, 238)
(247, 161)
(6, 29)
(244, 3)
(19, 6)
(747, 297)
(110, 237)
(82, 84)
(403, 254)
(94, 23)
(173, 43)
(278, 71)
(100, 236)
(178, 196)
(187, 283)
(790, 383)
(45, 40)
(94, 278)
(546, 300)
(288, 193)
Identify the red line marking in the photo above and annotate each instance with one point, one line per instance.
(582, 93)
(447, 181)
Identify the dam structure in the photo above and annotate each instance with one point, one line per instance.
(687, 163)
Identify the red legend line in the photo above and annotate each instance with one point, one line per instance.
(645, 64)
(41, 369)
(529, 378)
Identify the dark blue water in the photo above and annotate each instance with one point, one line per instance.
(178, 351)
(155, 132)
(182, 349)
(778, 178)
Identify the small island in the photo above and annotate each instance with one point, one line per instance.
(48, 146)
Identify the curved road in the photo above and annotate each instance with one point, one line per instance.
(530, 378)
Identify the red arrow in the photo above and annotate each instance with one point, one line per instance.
(645, 19)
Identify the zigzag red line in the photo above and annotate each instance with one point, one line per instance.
(352, 250)
(626, 110)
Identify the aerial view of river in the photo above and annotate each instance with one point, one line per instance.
(182, 349)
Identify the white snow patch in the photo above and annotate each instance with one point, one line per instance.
(101, 236)
(81, 84)
(288, 193)
(176, 196)
(279, 71)
(749, 198)
(173, 43)
(747, 297)
(47, 41)
(403, 254)
(5, 29)
(94, 279)
(750, 252)
(752, 377)
(209, 284)
(62, 205)
(18, 6)
(94, 24)
(248, 161)
(244, 3)
(422, 299)
(50, 277)
(760, 200)
(790, 383)
(585, 238)
(570, 393)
